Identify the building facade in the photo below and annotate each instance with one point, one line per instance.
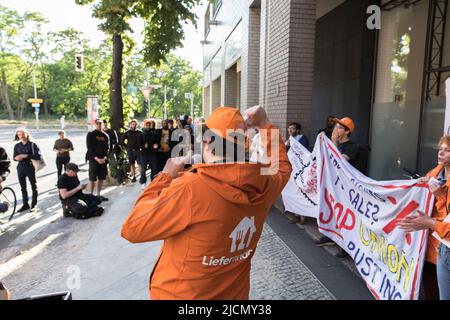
(306, 59)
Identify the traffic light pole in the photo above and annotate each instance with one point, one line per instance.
(36, 106)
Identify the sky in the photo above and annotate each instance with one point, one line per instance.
(63, 14)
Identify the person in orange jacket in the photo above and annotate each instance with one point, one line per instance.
(437, 252)
(211, 216)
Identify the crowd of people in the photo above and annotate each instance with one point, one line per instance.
(214, 188)
(146, 148)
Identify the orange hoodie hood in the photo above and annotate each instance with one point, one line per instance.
(240, 183)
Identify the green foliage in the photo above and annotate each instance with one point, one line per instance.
(163, 22)
(52, 57)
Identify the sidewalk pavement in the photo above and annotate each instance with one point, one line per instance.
(90, 259)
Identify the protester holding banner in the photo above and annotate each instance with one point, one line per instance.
(295, 131)
(341, 138)
(350, 151)
(438, 252)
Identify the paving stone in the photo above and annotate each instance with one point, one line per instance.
(277, 273)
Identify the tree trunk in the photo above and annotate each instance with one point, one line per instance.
(23, 100)
(5, 96)
(115, 84)
(44, 84)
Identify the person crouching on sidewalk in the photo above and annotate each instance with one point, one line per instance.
(76, 203)
(210, 217)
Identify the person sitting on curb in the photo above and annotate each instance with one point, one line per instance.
(76, 203)
(212, 216)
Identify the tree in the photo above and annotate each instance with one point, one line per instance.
(163, 32)
(32, 52)
(11, 22)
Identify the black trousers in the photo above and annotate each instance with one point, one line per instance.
(24, 171)
(60, 162)
(83, 206)
(147, 160)
(162, 159)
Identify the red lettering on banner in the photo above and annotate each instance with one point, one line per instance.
(334, 151)
(345, 220)
(348, 214)
(330, 208)
(411, 207)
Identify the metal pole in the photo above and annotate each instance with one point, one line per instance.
(36, 110)
(192, 106)
(148, 85)
(148, 102)
(34, 82)
(165, 102)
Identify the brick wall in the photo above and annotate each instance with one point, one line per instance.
(215, 93)
(288, 61)
(250, 72)
(206, 101)
(230, 88)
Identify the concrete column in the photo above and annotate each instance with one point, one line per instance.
(287, 61)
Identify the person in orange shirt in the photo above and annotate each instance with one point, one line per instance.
(211, 216)
(437, 252)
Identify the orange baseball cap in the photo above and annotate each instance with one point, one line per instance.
(226, 118)
(346, 122)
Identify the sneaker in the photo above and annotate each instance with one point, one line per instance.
(133, 180)
(33, 209)
(24, 208)
(143, 186)
(103, 198)
(324, 241)
(66, 212)
(342, 254)
(294, 220)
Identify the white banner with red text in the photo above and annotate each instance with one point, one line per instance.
(360, 215)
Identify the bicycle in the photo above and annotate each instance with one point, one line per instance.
(9, 200)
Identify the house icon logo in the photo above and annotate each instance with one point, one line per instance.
(243, 231)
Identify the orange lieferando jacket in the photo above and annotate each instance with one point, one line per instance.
(210, 219)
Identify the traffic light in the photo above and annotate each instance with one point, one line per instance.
(79, 65)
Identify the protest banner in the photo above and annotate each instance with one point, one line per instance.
(360, 215)
(300, 193)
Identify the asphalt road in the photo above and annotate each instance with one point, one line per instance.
(44, 138)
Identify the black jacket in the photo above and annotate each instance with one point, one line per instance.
(149, 137)
(4, 164)
(132, 139)
(29, 148)
(97, 143)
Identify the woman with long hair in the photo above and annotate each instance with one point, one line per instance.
(438, 254)
(24, 151)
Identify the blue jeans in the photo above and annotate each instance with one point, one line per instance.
(443, 272)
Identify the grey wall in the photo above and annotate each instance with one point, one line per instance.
(344, 66)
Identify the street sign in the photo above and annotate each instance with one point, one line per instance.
(32, 101)
(146, 92)
(36, 105)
